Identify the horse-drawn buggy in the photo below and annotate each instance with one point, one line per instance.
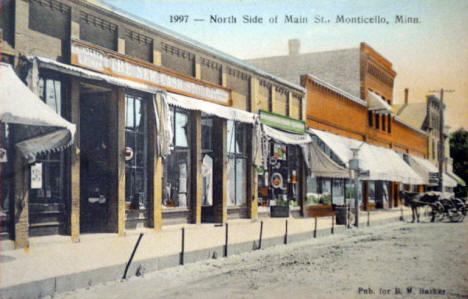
(441, 205)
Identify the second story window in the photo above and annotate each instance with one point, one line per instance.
(371, 119)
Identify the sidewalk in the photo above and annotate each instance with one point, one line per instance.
(54, 264)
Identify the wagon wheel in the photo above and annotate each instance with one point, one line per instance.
(439, 211)
(454, 214)
(461, 208)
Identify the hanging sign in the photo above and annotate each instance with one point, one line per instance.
(3, 155)
(36, 176)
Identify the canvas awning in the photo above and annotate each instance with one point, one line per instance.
(19, 105)
(383, 164)
(424, 168)
(376, 103)
(323, 166)
(285, 137)
(459, 180)
(225, 112)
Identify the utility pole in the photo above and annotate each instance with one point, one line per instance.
(441, 146)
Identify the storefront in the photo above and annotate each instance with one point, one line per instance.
(329, 184)
(381, 169)
(283, 173)
(34, 135)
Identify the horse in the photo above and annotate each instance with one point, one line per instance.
(415, 200)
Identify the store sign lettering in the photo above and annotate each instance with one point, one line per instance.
(99, 61)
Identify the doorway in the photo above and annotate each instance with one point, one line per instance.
(95, 164)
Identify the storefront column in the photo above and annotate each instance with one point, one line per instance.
(252, 178)
(21, 210)
(391, 190)
(220, 163)
(116, 204)
(155, 177)
(196, 180)
(302, 187)
(75, 163)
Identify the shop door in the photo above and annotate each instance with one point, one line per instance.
(96, 172)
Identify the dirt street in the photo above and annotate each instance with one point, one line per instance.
(425, 260)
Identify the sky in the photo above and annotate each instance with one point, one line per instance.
(429, 55)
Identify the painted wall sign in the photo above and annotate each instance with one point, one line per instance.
(113, 65)
(282, 122)
(36, 176)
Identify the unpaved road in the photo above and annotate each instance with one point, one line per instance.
(365, 263)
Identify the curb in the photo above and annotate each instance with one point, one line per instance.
(86, 279)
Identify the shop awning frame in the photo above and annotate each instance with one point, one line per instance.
(19, 105)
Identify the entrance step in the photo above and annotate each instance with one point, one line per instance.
(44, 229)
(135, 219)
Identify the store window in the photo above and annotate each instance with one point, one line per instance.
(377, 121)
(338, 191)
(371, 195)
(236, 147)
(384, 121)
(177, 164)
(207, 159)
(50, 167)
(136, 152)
(371, 119)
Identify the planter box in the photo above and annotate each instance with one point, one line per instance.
(279, 211)
(320, 210)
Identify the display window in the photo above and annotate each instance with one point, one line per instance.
(136, 136)
(207, 159)
(280, 181)
(177, 165)
(237, 156)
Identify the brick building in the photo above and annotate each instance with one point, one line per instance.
(111, 75)
(350, 93)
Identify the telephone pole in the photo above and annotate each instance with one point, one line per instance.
(441, 146)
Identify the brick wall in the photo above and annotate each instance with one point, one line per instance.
(326, 110)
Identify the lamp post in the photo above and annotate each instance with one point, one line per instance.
(354, 166)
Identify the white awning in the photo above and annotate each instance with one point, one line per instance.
(19, 105)
(189, 103)
(323, 166)
(383, 164)
(424, 168)
(448, 181)
(376, 103)
(459, 180)
(285, 137)
(173, 98)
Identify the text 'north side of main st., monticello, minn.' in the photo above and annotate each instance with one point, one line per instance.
(316, 19)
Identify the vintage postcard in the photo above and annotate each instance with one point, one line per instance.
(233, 149)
